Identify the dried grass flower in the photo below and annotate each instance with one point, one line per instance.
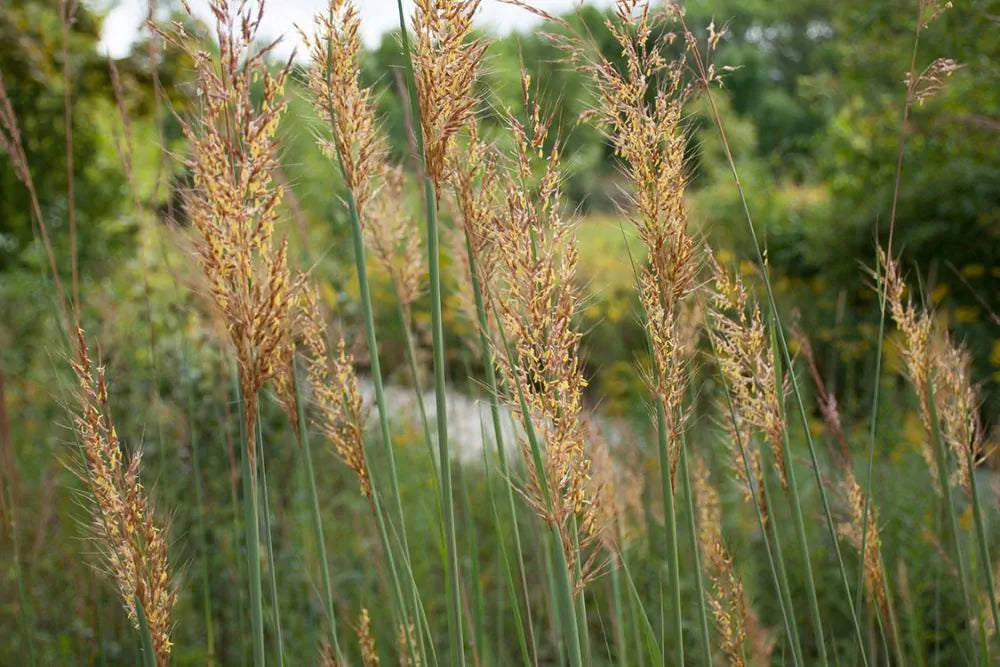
(233, 203)
(743, 350)
(129, 535)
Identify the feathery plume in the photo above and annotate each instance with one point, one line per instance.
(344, 104)
(125, 526)
(641, 106)
(536, 300)
(446, 64)
(341, 412)
(369, 656)
(851, 530)
(392, 238)
(744, 354)
(233, 203)
(931, 357)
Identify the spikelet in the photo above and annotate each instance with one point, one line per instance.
(340, 411)
(129, 539)
(369, 656)
(853, 529)
(233, 204)
(536, 300)
(726, 598)
(473, 185)
(344, 104)
(446, 64)
(933, 361)
(744, 354)
(408, 655)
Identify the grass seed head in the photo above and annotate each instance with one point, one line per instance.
(125, 526)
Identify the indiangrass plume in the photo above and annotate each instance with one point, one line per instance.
(390, 232)
(932, 359)
(851, 530)
(536, 300)
(125, 526)
(446, 64)
(369, 656)
(735, 620)
(233, 204)
(641, 106)
(346, 106)
(743, 351)
(340, 412)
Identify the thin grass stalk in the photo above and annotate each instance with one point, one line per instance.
(618, 611)
(271, 570)
(786, 355)
(202, 533)
(699, 583)
(982, 541)
(796, 504)
(670, 529)
(940, 457)
(508, 571)
(441, 399)
(639, 613)
(317, 517)
(357, 238)
(480, 652)
(25, 614)
(145, 637)
(489, 371)
(383, 409)
(411, 360)
(784, 588)
(581, 602)
(893, 620)
(776, 565)
(897, 181)
(252, 529)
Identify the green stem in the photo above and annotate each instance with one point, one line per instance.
(252, 528)
(786, 355)
(567, 611)
(303, 431)
(792, 494)
(272, 566)
(202, 534)
(698, 578)
(148, 655)
(984, 549)
(491, 385)
(444, 460)
(776, 564)
(670, 519)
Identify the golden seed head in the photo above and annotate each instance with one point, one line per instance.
(743, 349)
(446, 64)
(124, 523)
(369, 656)
(347, 107)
